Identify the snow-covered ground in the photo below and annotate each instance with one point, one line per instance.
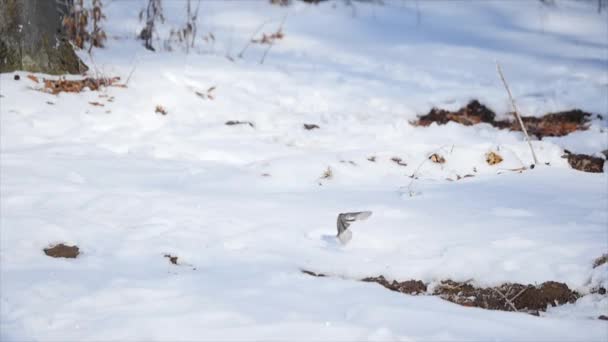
(246, 208)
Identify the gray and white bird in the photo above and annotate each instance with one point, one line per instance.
(344, 221)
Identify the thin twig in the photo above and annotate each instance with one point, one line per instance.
(520, 293)
(130, 74)
(240, 55)
(414, 177)
(506, 299)
(516, 112)
(271, 42)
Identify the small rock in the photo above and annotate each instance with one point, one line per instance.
(172, 258)
(62, 251)
(311, 126)
(603, 317)
(16, 77)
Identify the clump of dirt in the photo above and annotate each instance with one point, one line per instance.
(584, 162)
(62, 251)
(554, 124)
(413, 287)
(237, 122)
(309, 127)
(600, 261)
(507, 297)
(549, 125)
(172, 258)
(471, 114)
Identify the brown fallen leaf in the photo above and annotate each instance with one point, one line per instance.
(493, 158)
(160, 110)
(95, 103)
(33, 78)
(436, 158)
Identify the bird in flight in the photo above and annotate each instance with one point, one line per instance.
(344, 221)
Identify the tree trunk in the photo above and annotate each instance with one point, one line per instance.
(32, 38)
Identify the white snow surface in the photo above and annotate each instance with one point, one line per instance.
(246, 208)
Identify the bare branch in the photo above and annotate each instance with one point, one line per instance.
(516, 113)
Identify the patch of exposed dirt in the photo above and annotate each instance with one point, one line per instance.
(584, 162)
(506, 297)
(62, 251)
(412, 287)
(554, 124)
(548, 125)
(471, 114)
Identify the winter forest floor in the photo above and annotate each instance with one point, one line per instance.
(246, 206)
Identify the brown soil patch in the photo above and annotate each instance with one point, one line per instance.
(62, 251)
(585, 163)
(412, 287)
(555, 124)
(471, 114)
(548, 125)
(506, 297)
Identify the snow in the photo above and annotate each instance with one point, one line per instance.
(128, 185)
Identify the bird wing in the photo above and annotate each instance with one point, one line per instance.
(345, 219)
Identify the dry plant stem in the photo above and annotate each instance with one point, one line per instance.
(506, 299)
(271, 43)
(516, 112)
(240, 55)
(409, 186)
